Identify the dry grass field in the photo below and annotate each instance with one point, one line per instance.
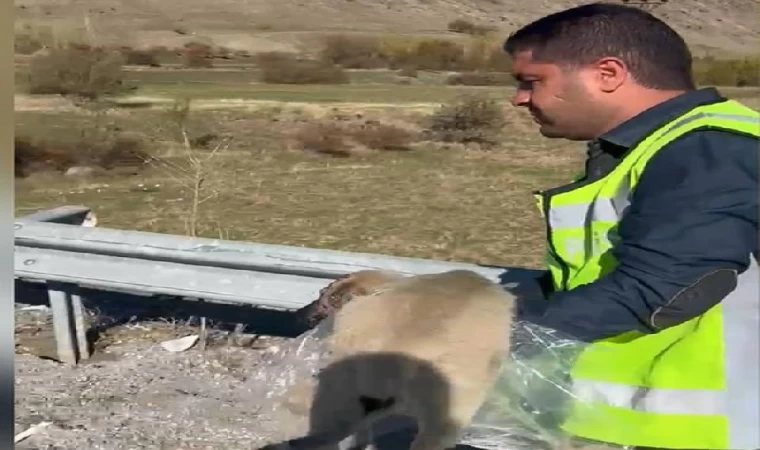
(431, 199)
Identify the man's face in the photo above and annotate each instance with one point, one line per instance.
(561, 100)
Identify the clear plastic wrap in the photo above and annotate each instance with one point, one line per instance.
(527, 404)
(523, 411)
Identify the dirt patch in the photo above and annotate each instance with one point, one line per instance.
(135, 394)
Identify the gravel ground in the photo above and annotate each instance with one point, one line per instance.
(134, 394)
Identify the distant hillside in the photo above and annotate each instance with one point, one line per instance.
(718, 26)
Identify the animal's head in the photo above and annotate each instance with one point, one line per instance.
(341, 291)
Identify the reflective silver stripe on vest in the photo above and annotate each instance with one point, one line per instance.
(703, 115)
(738, 402)
(601, 210)
(657, 401)
(741, 340)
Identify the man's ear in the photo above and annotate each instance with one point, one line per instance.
(611, 73)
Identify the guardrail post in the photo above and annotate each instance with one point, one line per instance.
(68, 322)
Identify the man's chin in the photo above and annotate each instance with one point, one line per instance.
(550, 132)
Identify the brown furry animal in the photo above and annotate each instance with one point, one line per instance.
(427, 346)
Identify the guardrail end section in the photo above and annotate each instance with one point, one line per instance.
(67, 214)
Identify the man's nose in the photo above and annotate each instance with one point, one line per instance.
(521, 97)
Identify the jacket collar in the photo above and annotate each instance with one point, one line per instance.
(631, 132)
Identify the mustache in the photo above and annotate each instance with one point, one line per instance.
(537, 114)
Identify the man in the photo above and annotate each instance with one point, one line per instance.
(650, 253)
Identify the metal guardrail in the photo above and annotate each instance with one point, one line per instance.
(53, 248)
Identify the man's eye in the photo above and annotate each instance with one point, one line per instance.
(526, 85)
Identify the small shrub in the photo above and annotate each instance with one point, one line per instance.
(29, 157)
(197, 55)
(77, 70)
(121, 151)
(482, 53)
(26, 44)
(485, 54)
(472, 118)
(467, 27)
(480, 79)
(438, 54)
(343, 139)
(194, 61)
(204, 140)
(497, 60)
(727, 72)
(160, 50)
(424, 54)
(29, 38)
(382, 136)
(289, 70)
(140, 57)
(264, 58)
(323, 137)
(409, 71)
(460, 26)
(397, 51)
(353, 52)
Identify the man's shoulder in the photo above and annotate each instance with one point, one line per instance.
(701, 167)
(713, 147)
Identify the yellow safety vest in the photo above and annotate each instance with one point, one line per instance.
(691, 386)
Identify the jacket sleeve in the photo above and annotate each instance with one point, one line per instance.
(691, 227)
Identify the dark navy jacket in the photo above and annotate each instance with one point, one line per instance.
(693, 220)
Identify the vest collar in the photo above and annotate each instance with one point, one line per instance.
(604, 153)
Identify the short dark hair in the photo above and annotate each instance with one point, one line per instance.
(656, 55)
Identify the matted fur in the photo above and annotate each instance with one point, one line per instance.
(427, 346)
(336, 294)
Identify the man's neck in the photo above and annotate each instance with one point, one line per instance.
(637, 102)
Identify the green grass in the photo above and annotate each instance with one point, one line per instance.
(222, 75)
(367, 86)
(319, 93)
